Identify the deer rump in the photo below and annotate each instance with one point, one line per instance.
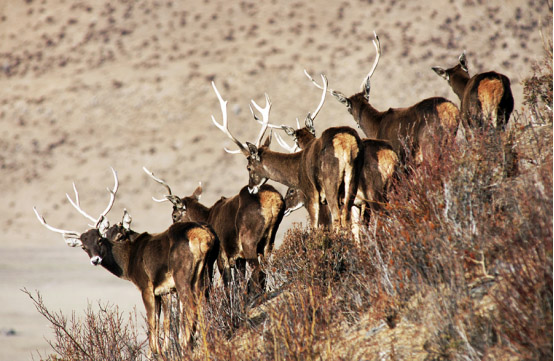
(332, 165)
(487, 96)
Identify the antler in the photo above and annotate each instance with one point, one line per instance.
(70, 237)
(170, 197)
(377, 45)
(265, 117)
(269, 125)
(324, 88)
(77, 206)
(284, 144)
(162, 182)
(224, 126)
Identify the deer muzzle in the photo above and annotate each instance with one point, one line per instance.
(96, 260)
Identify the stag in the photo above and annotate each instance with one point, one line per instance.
(486, 98)
(178, 259)
(409, 130)
(324, 171)
(245, 223)
(380, 164)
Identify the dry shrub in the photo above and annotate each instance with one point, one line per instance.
(461, 221)
(101, 335)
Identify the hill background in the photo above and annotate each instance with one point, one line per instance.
(89, 85)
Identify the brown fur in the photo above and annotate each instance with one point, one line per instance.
(388, 161)
(316, 171)
(246, 225)
(380, 162)
(449, 115)
(489, 93)
(405, 129)
(158, 264)
(486, 98)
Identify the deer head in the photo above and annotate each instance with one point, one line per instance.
(365, 86)
(256, 172)
(179, 204)
(93, 240)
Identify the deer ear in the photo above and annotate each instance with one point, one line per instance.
(126, 221)
(289, 130)
(367, 89)
(341, 98)
(176, 201)
(440, 72)
(309, 122)
(198, 192)
(103, 226)
(267, 142)
(463, 62)
(252, 149)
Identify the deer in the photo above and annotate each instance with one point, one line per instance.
(380, 163)
(327, 171)
(178, 259)
(484, 98)
(409, 130)
(245, 223)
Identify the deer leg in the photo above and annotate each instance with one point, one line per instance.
(312, 206)
(334, 208)
(356, 221)
(150, 305)
(166, 307)
(184, 274)
(256, 283)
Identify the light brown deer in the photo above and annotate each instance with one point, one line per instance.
(327, 171)
(408, 130)
(176, 259)
(486, 98)
(245, 223)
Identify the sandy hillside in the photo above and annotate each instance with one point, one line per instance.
(89, 85)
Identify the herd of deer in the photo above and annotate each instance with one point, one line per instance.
(334, 175)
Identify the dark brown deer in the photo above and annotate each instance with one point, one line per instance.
(486, 98)
(409, 130)
(326, 170)
(177, 259)
(245, 223)
(376, 176)
(380, 163)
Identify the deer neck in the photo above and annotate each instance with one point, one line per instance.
(368, 118)
(197, 212)
(282, 167)
(117, 259)
(458, 81)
